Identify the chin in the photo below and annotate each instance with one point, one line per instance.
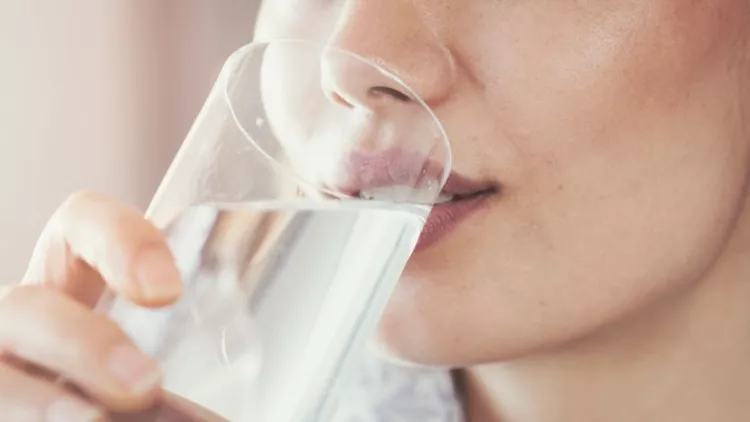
(413, 336)
(391, 352)
(390, 355)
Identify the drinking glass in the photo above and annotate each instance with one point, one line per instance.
(291, 211)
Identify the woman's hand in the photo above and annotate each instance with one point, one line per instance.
(48, 329)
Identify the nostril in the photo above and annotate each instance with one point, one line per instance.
(338, 99)
(381, 91)
(374, 94)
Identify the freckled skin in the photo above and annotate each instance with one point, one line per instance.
(616, 130)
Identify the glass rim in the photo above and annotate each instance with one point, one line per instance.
(165, 215)
(246, 50)
(308, 204)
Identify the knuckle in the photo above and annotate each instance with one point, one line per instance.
(87, 338)
(100, 336)
(82, 198)
(71, 207)
(38, 306)
(23, 398)
(25, 296)
(78, 333)
(117, 223)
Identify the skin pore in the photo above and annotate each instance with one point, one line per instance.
(608, 279)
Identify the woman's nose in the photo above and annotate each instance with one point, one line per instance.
(395, 35)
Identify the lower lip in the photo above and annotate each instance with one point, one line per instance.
(444, 218)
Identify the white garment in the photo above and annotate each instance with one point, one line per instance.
(378, 391)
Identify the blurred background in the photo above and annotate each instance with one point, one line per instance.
(98, 94)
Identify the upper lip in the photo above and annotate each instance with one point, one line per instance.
(363, 172)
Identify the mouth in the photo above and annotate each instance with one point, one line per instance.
(450, 198)
(456, 189)
(460, 199)
(397, 175)
(459, 188)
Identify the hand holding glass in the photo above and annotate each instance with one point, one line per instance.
(291, 210)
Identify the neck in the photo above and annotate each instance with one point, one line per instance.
(686, 359)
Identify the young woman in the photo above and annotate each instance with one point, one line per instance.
(604, 274)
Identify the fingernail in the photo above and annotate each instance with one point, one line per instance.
(137, 371)
(69, 410)
(157, 276)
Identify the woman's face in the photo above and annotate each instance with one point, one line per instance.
(615, 131)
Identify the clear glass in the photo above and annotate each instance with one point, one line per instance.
(291, 210)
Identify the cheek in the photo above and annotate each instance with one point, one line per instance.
(556, 67)
(560, 265)
(629, 174)
(617, 109)
(632, 160)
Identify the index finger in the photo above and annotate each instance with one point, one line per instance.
(93, 241)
